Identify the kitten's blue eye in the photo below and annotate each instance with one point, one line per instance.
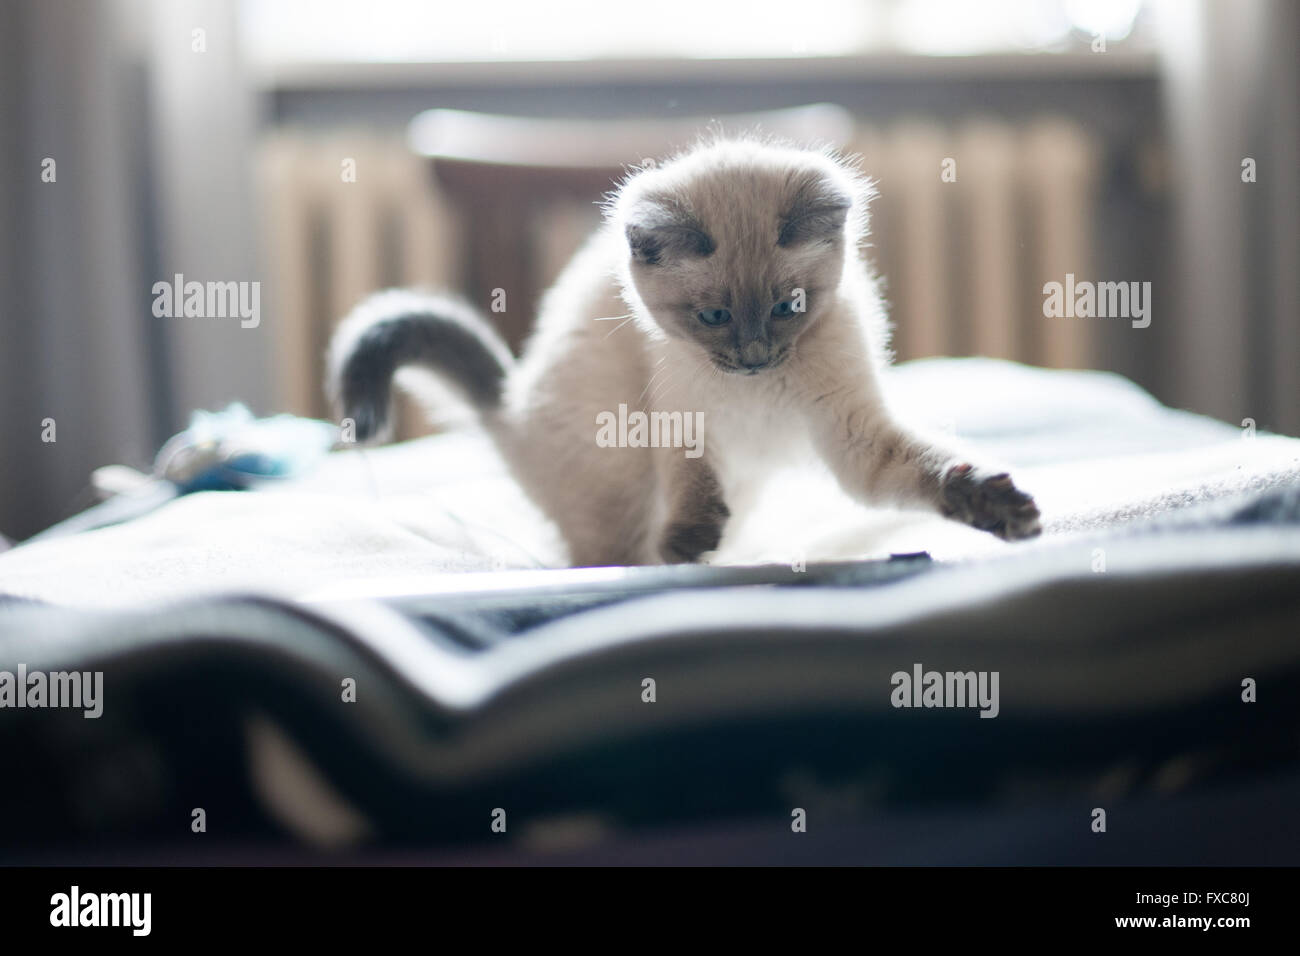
(783, 310)
(714, 317)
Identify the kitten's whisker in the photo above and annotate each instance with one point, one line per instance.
(665, 384)
(619, 326)
(664, 387)
(657, 373)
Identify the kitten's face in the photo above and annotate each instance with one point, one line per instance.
(740, 252)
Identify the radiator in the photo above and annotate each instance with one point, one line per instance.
(964, 259)
(343, 216)
(963, 262)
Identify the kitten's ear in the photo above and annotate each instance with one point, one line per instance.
(657, 232)
(818, 213)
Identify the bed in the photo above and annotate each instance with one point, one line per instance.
(1146, 647)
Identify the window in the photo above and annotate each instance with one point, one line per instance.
(393, 31)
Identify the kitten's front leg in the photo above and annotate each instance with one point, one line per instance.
(877, 459)
(695, 512)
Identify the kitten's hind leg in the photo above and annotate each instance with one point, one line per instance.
(696, 511)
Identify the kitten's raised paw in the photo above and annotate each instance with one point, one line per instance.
(989, 502)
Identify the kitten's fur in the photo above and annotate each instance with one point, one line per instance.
(731, 225)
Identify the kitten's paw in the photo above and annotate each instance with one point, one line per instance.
(989, 502)
(687, 540)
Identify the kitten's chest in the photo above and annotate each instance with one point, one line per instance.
(750, 437)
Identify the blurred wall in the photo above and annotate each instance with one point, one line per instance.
(204, 114)
(150, 140)
(75, 353)
(1232, 91)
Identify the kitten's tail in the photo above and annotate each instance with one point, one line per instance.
(399, 328)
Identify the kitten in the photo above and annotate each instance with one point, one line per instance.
(733, 291)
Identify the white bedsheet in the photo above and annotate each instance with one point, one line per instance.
(1095, 450)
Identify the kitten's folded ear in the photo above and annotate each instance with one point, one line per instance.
(659, 232)
(817, 213)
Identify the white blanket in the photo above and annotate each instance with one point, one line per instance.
(1093, 448)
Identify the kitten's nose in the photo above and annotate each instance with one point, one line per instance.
(755, 355)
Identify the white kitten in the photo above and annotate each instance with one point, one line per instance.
(733, 291)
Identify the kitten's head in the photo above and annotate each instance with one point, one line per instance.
(738, 246)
